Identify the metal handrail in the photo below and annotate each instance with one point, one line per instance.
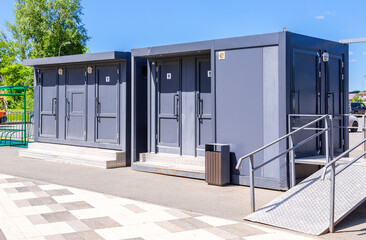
(333, 174)
(291, 149)
(279, 139)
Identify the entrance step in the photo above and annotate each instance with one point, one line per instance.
(171, 164)
(95, 157)
(306, 207)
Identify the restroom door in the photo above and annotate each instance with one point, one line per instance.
(334, 99)
(48, 103)
(305, 97)
(203, 106)
(107, 104)
(169, 107)
(76, 104)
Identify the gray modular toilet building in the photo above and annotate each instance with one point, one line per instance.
(238, 91)
(84, 100)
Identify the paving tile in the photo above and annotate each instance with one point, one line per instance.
(58, 217)
(78, 225)
(54, 237)
(214, 221)
(41, 201)
(192, 214)
(10, 190)
(241, 229)
(167, 225)
(221, 233)
(22, 203)
(57, 208)
(37, 219)
(58, 192)
(86, 235)
(134, 208)
(2, 236)
(12, 180)
(41, 194)
(190, 223)
(62, 227)
(77, 205)
(177, 213)
(28, 189)
(101, 222)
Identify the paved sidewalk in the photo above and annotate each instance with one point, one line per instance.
(37, 210)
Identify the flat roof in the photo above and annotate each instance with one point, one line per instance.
(201, 47)
(79, 58)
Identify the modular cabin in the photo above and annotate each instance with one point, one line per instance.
(241, 92)
(82, 104)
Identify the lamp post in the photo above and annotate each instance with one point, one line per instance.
(59, 50)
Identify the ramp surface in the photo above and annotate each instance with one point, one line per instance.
(306, 207)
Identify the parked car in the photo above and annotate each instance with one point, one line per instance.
(357, 108)
(353, 122)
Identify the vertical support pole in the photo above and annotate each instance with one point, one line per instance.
(332, 198)
(364, 134)
(326, 121)
(25, 117)
(251, 175)
(332, 177)
(291, 156)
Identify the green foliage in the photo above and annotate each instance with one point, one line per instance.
(357, 98)
(39, 28)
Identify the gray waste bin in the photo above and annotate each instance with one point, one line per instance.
(217, 164)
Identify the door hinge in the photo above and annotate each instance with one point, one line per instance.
(156, 79)
(342, 76)
(117, 135)
(117, 71)
(320, 74)
(84, 133)
(342, 142)
(85, 73)
(156, 69)
(156, 136)
(342, 64)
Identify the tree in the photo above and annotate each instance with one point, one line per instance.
(41, 26)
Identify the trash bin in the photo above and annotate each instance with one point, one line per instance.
(217, 164)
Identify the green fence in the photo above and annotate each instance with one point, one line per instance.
(16, 127)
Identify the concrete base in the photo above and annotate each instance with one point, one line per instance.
(171, 164)
(75, 155)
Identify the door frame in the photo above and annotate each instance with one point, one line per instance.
(85, 102)
(116, 66)
(339, 57)
(197, 92)
(168, 149)
(40, 83)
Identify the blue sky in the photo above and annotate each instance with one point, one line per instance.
(122, 24)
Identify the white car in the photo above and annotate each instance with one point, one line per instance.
(353, 123)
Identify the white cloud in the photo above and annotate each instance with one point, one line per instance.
(353, 60)
(351, 53)
(364, 53)
(330, 12)
(320, 17)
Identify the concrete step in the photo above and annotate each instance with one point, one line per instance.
(171, 164)
(75, 155)
(305, 207)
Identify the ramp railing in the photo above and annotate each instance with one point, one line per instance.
(333, 174)
(329, 153)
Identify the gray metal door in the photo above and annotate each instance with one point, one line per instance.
(48, 103)
(168, 110)
(76, 104)
(107, 104)
(203, 106)
(305, 89)
(334, 99)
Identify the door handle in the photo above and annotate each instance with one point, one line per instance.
(198, 105)
(201, 107)
(53, 106)
(176, 105)
(67, 109)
